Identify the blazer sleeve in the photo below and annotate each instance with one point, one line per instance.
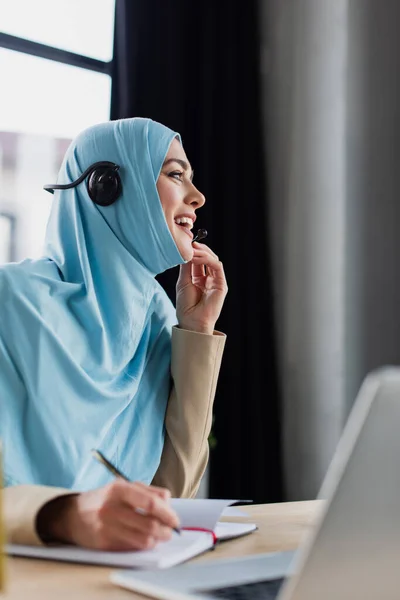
(22, 504)
(195, 365)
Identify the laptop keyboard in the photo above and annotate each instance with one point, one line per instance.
(260, 590)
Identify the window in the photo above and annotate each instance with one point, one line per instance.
(84, 27)
(55, 74)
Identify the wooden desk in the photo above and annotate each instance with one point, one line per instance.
(280, 528)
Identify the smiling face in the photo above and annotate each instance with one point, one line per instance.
(179, 197)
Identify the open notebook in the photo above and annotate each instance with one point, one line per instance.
(200, 529)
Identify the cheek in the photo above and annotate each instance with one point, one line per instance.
(168, 198)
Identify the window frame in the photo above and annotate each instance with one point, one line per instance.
(12, 42)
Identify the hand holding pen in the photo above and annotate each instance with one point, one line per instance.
(99, 456)
(120, 516)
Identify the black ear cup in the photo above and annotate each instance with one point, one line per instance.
(104, 185)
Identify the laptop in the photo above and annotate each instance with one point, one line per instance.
(353, 552)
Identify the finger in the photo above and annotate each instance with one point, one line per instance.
(204, 250)
(209, 260)
(121, 539)
(204, 247)
(141, 498)
(160, 491)
(215, 269)
(198, 248)
(198, 271)
(185, 275)
(122, 515)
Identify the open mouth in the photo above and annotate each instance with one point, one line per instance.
(186, 224)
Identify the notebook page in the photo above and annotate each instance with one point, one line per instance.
(199, 513)
(166, 554)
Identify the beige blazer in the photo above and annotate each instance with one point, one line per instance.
(196, 361)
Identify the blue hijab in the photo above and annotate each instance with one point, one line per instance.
(85, 332)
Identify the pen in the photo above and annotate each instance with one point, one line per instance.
(110, 467)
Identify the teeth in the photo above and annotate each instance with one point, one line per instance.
(184, 221)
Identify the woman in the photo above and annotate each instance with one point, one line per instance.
(89, 340)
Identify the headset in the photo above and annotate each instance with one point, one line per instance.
(103, 184)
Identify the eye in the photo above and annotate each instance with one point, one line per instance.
(176, 175)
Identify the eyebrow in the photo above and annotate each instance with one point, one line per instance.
(181, 162)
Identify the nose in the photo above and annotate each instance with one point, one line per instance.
(195, 198)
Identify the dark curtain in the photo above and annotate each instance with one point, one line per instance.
(195, 66)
